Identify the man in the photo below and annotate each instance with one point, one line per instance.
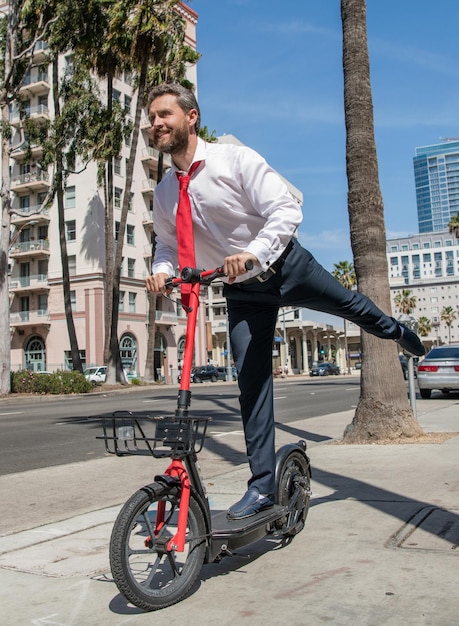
(242, 211)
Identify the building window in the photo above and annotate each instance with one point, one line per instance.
(73, 300)
(131, 268)
(127, 104)
(121, 301)
(132, 298)
(130, 235)
(24, 202)
(69, 198)
(70, 230)
(117, 166)
(43, 232)
(72, 265)
(117, 198)
(117, 230)
(43, 303)
(69, 361)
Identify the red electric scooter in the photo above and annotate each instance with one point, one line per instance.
(166, 531)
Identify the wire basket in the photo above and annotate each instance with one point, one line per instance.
(160, 436)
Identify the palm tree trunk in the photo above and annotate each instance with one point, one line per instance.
(115, 359)
(383, 411)
(109, 234)
(59, 188)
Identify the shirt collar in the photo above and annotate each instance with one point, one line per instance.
(199, 155)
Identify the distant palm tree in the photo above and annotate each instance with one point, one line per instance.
(405, 301)
(453, 225)
(448, 315)
(424, 326)
(345, 273)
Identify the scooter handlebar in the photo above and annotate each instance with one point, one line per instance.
(194, 275)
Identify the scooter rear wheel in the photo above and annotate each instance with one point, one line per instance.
(294, 492)
(147, 574)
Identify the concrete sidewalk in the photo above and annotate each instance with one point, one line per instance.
(379, 545)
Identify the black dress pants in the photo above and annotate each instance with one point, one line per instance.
(252, 312)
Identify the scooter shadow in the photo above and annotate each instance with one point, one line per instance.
(242, 557)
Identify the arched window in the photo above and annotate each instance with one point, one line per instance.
(35, 354)
(128, 353)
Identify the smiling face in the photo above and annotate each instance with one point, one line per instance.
(170, 124)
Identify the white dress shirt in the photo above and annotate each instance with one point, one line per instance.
(238, 203)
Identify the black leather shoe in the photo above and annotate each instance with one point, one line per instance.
(249, 504)
(409, 341)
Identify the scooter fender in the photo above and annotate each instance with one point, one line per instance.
(283, 453)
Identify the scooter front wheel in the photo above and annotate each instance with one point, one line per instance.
(144, 570)
(293, 480)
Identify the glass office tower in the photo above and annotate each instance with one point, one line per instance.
(436, 174)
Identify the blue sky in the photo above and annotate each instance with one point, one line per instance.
(271, 75)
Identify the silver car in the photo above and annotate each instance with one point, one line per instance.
(439, 370)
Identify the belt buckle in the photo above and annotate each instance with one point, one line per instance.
(262, 278)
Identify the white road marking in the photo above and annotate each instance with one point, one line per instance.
(231, 432)
(12, 413)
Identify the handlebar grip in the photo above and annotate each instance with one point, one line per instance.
(249, 265)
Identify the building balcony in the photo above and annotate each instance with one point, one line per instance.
(39, 114)
(166, 317)
(147, 252)
(145, 123)
(38, 248)
(25, 318)
(147, 219)
(148, 185)
(31, 213)
(19, 152)
(29, 283)
(150, 154)
(33, 182)
(40, 52)
(35, 83)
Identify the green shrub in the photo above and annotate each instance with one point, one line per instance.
(59, 382)
(135, 381)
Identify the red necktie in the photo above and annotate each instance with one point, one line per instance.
(184, 228)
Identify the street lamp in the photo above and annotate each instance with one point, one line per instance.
(410, 322)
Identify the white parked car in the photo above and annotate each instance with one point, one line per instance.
(96, 374)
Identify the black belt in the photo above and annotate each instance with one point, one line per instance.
(275, 267)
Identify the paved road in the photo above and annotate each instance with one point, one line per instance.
(49, 432)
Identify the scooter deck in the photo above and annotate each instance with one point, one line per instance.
(229, 534)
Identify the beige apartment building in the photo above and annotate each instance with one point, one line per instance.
(39, 336)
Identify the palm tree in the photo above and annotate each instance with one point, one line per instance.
(448, 315)
(150, 36)
(345, 273)
(453, 225)
(405, 301)
(424, 326)
(383, 410)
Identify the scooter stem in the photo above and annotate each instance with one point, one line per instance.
(184, 395)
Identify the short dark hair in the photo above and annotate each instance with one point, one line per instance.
(185, 98)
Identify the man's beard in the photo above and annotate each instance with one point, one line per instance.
(177, 141)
